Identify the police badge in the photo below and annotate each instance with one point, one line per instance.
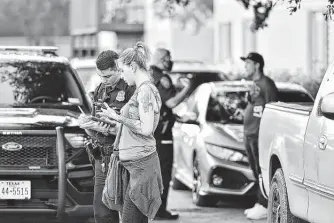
(120, 96)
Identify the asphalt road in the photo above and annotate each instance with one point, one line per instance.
(224, 212)
(180, 202)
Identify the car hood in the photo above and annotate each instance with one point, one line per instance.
(226, 135)
(37, 117)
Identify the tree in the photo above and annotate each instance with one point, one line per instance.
(35, 18)
(261, 8)
(200, 10)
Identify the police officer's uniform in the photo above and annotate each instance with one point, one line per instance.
(100, 146)
(163, 133)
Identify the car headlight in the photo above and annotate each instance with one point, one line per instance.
(76, 140)
(226, 154)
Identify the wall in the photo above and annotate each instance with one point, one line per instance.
(157, 32)
(189, 46)
(83, 16)
(183, 43)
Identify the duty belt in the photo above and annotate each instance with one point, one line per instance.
(99, 151)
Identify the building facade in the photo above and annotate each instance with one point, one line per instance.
(180, 35)
(99, 24)
(300, 43)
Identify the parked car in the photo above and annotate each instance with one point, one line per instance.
(44, 167)
(197, 72)
(209, 153)
(296, 148)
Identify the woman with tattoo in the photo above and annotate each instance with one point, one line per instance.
(134, 183)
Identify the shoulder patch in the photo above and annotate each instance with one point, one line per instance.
(165, 82)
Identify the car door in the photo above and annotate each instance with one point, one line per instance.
(191, 130)
(181, 136)
(319, 158)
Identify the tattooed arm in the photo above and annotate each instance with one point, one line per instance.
(147, 105)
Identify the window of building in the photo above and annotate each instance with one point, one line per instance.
(225, 41)
(249, 37)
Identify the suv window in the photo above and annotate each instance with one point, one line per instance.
(37, 83)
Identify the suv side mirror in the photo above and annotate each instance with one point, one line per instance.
(327, 106)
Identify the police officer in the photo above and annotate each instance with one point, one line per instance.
(114, 91)
(162, 64)
(262, 92)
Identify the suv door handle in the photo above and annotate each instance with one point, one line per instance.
(322, 144)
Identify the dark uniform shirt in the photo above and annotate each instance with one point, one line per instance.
(167, 91)
(263, 91)
(116, 97)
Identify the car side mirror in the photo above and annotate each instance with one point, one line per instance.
(327, 106)
(188, 118)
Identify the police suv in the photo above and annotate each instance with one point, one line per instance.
(44, 168)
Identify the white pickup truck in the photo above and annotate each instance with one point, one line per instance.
(296, 150)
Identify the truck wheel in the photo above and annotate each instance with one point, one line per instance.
(278, 203)
(200, 200)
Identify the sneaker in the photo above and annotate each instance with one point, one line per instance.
(166, 215)
(247, 210)
(257, 213)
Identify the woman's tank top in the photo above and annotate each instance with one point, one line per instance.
(132, 145)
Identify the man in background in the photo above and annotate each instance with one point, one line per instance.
(262, 92)
(162, 65)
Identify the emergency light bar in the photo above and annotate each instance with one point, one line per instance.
(41, 49)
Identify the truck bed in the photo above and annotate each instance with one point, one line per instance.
(282, 131)
(292, 107)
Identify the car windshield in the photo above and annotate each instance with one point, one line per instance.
(37, 83)
(227, 107)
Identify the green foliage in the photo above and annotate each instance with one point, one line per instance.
(34, 18)
(260, 8)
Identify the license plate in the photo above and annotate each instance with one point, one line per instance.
(15, 190)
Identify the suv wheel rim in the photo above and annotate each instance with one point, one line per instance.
(276, 206)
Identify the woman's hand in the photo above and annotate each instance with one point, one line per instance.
(108, 112)
(88, 125)
(96, 126)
